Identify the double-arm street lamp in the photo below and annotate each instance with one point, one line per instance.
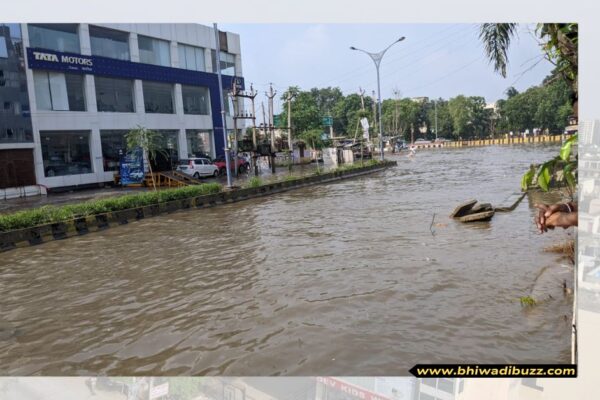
(376, 57)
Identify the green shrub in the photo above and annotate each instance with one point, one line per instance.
(254, 182)
(50, 214)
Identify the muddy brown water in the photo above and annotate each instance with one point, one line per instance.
(339, 279)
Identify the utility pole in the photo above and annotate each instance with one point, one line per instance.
(436, 125)
(375, 121)
(236, 96)
(235, 112)
(223, 119)
(289, 98)
(262, 105)
(271, 95)
(397, 112)
(253, 94)
(361, 91)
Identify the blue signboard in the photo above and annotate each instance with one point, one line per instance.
(104, 66)
(131, 167)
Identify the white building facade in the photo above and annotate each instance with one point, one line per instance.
(89, 84)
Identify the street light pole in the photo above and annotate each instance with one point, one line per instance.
(376, 57)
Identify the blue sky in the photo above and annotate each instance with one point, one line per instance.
(435, 60)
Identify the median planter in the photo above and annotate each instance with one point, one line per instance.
(59, 231)
(81, 226)
(5, 243)
(123, 217)
(151, 211)
(35, 235)
(102, 221)
(172, 206)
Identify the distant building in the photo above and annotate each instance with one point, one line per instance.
(423, 99)
(437, 388)
(309, 388)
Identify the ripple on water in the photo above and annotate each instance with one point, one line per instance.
(343, 279)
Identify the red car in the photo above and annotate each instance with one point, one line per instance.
(242, 165)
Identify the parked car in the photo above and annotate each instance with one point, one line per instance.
(242, 164)
(198, 167)
(442, 140)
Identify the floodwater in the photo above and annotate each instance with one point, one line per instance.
(350, 278)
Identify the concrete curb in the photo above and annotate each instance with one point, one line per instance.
(82, 226)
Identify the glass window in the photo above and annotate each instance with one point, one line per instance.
(446, 385)
(109, 43)
(113, 146)
(114, 95)
(227, 62)
(58, 37)
(58, 92)
(195, 100)
(425, 396)
(154, 51)
(167, 159)
(191, 57)
(429, 381)
(15, 120)
(3, 48)
(66, 153)
(158, 97)
(199, 142)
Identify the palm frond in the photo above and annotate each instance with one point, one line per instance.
(496, 40)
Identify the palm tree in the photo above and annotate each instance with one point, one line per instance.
(151, 143)
(496, 38)
(559, 43)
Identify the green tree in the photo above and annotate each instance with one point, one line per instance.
(469, 116)
(347, 112)
(151, 143)
(412, 117)
(305, 112)
(511, 92)
(559, 42)
(444, 121)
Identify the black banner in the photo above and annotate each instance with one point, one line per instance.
(494, 370)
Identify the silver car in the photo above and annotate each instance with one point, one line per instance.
(198, 167)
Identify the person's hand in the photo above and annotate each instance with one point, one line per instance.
(561, 219)
(545, 212)
(555, 215)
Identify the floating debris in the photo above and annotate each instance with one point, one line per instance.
(470, 212)
(463, 208)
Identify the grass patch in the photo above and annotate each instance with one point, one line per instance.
(527, 301)
(254, 182)
(52, 214)
(566, 249)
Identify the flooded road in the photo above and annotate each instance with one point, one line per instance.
(339, 279)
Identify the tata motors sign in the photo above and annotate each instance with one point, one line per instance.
(65, 61)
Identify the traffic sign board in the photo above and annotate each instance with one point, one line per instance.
(328, 121)
(278, 121)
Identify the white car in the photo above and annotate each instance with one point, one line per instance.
(198, 167)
